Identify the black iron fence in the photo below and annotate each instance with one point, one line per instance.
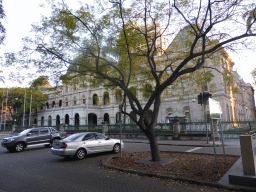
(231, 129)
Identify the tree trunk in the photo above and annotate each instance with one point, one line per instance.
(153, 146)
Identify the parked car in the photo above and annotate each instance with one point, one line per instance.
(40, 135)
(81, 144)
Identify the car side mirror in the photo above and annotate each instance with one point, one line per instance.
(107, 138)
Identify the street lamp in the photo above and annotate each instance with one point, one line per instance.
(16, 100)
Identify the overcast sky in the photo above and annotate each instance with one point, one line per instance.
(22, 13)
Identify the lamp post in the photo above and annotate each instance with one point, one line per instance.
(16, 110)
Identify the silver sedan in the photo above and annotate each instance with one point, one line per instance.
(81, 144)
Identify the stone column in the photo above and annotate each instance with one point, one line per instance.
(105, 128)
(176, 129)
(247, 152)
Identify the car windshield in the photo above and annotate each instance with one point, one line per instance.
(24, 132)
(73, 137)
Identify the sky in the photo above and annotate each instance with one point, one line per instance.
(20, 14)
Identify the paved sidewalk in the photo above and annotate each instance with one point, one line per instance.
(236, 169)
(193, 143)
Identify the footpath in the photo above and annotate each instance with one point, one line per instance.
(236, 169)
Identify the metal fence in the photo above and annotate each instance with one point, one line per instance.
(231, 130)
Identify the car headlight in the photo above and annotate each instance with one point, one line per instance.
(9, 140)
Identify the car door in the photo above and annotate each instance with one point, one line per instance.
(103, 144)
(90, 143)
(32, 136)
(44, 135)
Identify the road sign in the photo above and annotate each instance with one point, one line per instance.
(215, 109)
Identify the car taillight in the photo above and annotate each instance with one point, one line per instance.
(64, 145)
(66, 134)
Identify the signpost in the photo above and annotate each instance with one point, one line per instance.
(120, 109)
(215, 114)
(215, 109)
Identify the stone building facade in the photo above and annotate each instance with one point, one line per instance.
(72, 105)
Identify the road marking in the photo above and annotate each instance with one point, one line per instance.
(194, 149)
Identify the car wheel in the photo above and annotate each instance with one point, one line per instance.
(19, 147)
(80, 154)
(116, 148)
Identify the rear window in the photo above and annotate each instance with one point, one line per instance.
(74, 137)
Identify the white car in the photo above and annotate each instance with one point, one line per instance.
(81, 144)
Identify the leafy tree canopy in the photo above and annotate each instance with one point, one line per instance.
(15, 101)
(2, 28)
(118, 44)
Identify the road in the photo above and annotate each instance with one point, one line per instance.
(36, 169)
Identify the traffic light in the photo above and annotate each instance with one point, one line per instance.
(206, 97)
(203, 98)
(200, 98)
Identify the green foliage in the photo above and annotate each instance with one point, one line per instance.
(2, 28)
(250, 16)
(66, 79)
(133, 90)
(254, 74)
(147, 91)
(96, 99)
(39, 82)
(1, 77)
(16, 99)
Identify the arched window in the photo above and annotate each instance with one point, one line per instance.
(92, 119)
(67, 119)
(47, 105)
(57, 120)
(95, 99)
(106, 100)
(106, 118)
(42, 121)
(53, 104)
(118, 95)
(60, 103)
(50, 121)
(76, 119)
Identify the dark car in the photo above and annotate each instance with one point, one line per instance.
(40, 135)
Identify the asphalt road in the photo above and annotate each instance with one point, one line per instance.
(36, 169)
